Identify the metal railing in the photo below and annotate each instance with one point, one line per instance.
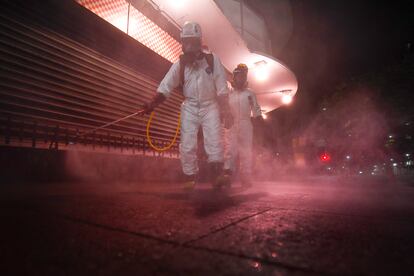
(21, 133)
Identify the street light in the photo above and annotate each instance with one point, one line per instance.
(286, 95)
(261, 71)
(286, 99)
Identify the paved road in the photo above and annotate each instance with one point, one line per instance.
(313, 226)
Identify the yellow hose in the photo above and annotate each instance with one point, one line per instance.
(149, 137)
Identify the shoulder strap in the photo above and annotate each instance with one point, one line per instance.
(182, 68)
(210, 61)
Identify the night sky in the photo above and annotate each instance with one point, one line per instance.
(331, 41)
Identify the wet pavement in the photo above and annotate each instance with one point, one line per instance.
(312, 226)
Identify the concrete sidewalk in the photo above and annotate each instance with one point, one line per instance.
(332, 226)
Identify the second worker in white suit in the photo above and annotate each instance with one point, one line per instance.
(243, 105)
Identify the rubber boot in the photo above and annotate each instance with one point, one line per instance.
(189, 182)
(228, 175)
(218, 179)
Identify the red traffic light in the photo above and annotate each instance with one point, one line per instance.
(325, 157)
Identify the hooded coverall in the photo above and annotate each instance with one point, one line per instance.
(202, 85)
(239, 138)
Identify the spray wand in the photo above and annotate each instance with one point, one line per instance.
(139, 112)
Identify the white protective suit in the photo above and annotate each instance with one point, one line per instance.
(239, 138)
(200, 108)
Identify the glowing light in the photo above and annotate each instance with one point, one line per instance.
(178, 3)
(264, 115)
(325, 157)
(141, 28)
(361, 172)
(120, 22)
(256, 266)
(287, 99)
(348, 157)
(394, 164)
(261, 71)
(261, 74)
(407, 154)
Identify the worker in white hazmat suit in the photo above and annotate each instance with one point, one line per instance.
(204, 86)
(239, 139)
